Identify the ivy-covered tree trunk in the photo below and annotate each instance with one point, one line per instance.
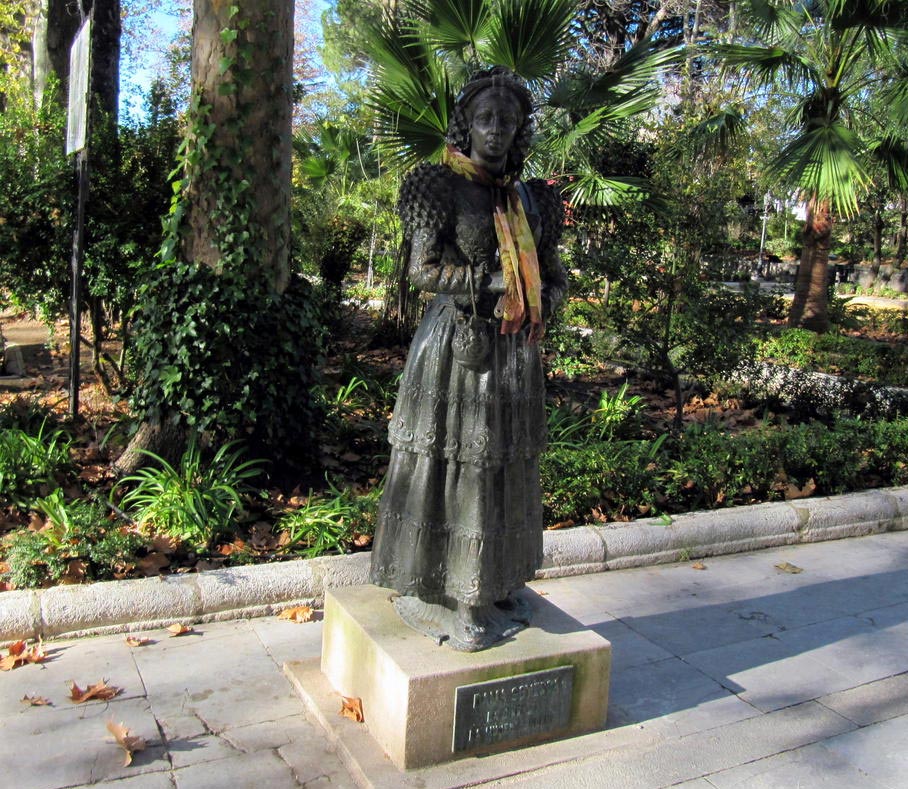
(242, 78)
(809, 309)
(225, 340)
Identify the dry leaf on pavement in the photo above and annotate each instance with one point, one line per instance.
(698, 566)
(18, 655)
(788, 567)
(298, 614)
(100, 691)
(176, 629)
(137, 641)
(35, 701)
(130, 743)
(352, 708)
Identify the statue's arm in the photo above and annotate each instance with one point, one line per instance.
(436, 266)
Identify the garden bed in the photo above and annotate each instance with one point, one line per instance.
(614, 457)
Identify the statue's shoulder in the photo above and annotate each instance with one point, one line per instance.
(547, 197)
(425, 197)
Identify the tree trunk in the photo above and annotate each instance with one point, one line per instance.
(809, 308)
(878, 227)
(258, 114)
(165, 440)
(901, 237)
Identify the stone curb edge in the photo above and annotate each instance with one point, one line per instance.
(261, 590)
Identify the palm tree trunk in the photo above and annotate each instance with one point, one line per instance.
(809, 309)
(878, 227)
(901, 237)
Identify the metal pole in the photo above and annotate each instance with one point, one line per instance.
(75, 315)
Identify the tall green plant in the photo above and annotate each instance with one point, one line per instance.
(195, 501)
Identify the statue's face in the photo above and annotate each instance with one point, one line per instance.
(495, 116)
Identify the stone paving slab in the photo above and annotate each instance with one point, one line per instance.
(737, 675)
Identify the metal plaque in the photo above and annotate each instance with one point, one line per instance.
(513, 708)
(77, 107)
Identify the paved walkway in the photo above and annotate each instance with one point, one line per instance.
(736, 675)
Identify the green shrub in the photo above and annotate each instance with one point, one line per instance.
(617, 476)
(839, 355)
(31, 465)
(76, 532)
(712, 468)
(196, 502)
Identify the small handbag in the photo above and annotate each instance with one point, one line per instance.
(471, 344)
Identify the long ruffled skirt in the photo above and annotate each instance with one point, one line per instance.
(461, 513)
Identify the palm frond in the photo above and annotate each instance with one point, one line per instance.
(868, 14)
(824, 162)
(529, 36)
(766, 63)
(589, 188)
(453, 25)
(634, 71)
(892, 153)
(774, 21)
(894, 96)
(409, 93)
(716, 134)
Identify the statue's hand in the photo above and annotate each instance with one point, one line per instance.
(496, 285)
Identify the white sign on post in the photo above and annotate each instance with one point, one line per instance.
(77, 112)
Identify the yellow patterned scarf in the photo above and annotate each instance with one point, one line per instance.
(516, 245)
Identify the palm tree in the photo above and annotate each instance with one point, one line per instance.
(832, 56)
(425, 50)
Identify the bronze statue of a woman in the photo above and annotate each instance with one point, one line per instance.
(460, 521)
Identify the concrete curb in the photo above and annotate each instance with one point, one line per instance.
(260, 590)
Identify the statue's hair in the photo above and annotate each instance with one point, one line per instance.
(502, 78)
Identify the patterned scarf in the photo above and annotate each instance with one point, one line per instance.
(516, 245)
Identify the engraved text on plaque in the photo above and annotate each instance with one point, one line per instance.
(512, 708)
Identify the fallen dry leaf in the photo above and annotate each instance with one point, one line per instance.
(75, 572)
(262, 538)
(137, 641)
(298, 614)
(792, 491)
(130, 743)
(17, 648)
(562, 524)
(153, 563)
(698, 566)
(35, 701)
(100, 691)
(359, 540)
(17, 655)
(176, 629)
(352, 708)
(787, 567)
(164, 544)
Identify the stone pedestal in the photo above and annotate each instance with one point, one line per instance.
(425, 703)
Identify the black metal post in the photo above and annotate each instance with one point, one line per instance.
(75, 315)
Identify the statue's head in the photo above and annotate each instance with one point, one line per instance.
(500, 88)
